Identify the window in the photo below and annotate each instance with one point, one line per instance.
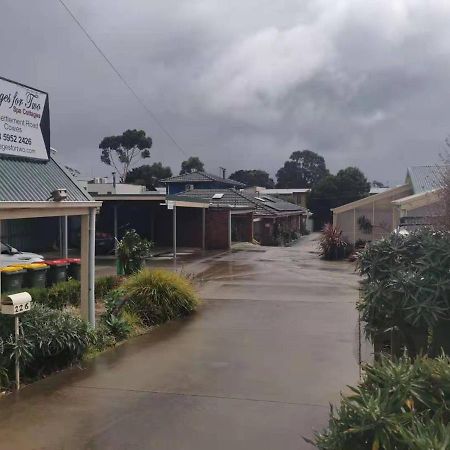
(217, 196)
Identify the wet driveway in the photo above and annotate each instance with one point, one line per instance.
(274, 342)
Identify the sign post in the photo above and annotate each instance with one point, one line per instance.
(16, 304)
(24, 121)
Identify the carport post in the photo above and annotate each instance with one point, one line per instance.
(203, 228)
(88, 266)
(91, 266)
(174, 232)
(84, 267)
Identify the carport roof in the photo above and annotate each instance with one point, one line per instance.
(23, 180)
(231, 198)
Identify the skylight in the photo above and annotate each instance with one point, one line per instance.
(217, 196)
(260, 199)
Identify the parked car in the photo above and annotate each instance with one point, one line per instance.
(10, 255)
(104, 243)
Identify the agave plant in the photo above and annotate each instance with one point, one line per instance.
(332, 245)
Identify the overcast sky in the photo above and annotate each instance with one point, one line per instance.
(241, 83)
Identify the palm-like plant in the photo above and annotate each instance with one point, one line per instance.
(332, 244)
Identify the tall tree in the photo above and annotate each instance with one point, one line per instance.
(303, 170)
(352, 185)
(192, 164)
(123, 151)
(346, 186)
(253, 178)
(149, 175)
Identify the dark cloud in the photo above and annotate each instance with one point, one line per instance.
(242, 83)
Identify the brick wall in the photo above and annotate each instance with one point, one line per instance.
(217, 222)
(242, 227)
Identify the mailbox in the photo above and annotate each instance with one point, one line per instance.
(16, 303)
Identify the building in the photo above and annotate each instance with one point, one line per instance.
(198, 180)
(414, 203)
(296, 196)
(237, 215)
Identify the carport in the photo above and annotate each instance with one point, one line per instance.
(26, 188)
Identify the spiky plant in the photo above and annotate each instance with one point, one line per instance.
(332, 244)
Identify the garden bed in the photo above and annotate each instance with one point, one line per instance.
(53, 335)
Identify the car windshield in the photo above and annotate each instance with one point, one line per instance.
(4, 248)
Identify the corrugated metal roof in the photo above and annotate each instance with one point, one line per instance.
(201, 177)
(262, 205)
(23, 180)
(426, 178)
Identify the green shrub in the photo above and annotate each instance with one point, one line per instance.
(112, 319)
(407, 289)
(157, 296)
(102, 338)
(104, 285)
(119, 328)
(58, 296)
(132, 251)
(39, 295)
(399, 405)
(50, 340)
(67, 293)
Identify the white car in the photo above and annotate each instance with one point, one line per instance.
(10, 255)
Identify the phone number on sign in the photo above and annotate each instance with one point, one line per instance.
(11, 138)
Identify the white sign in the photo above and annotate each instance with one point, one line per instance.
(24, 121)
(170, 204)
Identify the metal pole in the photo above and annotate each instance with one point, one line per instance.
(91, 277)
(174, 232)
(116, 237)
(61, 237)
(203, 228)
(65, 237)
(16, 332)
(229, 229)
(373, 220)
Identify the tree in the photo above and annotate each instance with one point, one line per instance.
(253, 178)
(346, 186)
(303, 170)
(192, 164)
(121, 152)
(378, 184)
(352, 185)
(149, 176)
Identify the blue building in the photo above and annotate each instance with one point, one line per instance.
(198, 180)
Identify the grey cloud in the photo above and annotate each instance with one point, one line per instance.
(242, 83)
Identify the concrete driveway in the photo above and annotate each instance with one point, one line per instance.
(274, 342)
